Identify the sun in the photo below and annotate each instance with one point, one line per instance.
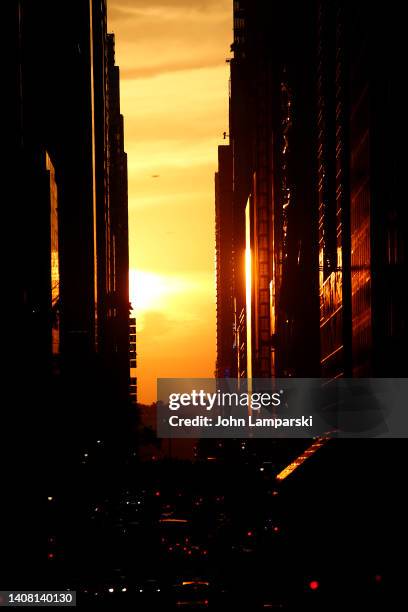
(152, 291)
(146, 290)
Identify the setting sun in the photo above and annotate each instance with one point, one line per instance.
(167, 293)
(146, 290)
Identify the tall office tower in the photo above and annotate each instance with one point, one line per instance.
(69, 303)
(112, 224)
(316, 216)
(119, 254)
(240, 135)
(68, 297)
(270, 125)
(294, 278)
(224, 269)
(333, 172)
(132, 361)
(362, 223)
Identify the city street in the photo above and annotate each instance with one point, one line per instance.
(222, 531)
(207, 361)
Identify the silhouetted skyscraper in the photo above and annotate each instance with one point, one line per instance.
(272, 263)
(70, 107)
(69, 298)
(362, 224)
(224, 254)
(132, 360)
(112, 227)
(314, 181)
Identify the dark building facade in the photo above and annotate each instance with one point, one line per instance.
(68, 290)
(132, 360)
(272, 263)
(224, 254)
(112, 224)
(319, 235)
(69, 297)
(362, 224)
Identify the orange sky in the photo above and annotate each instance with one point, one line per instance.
(174, 97)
